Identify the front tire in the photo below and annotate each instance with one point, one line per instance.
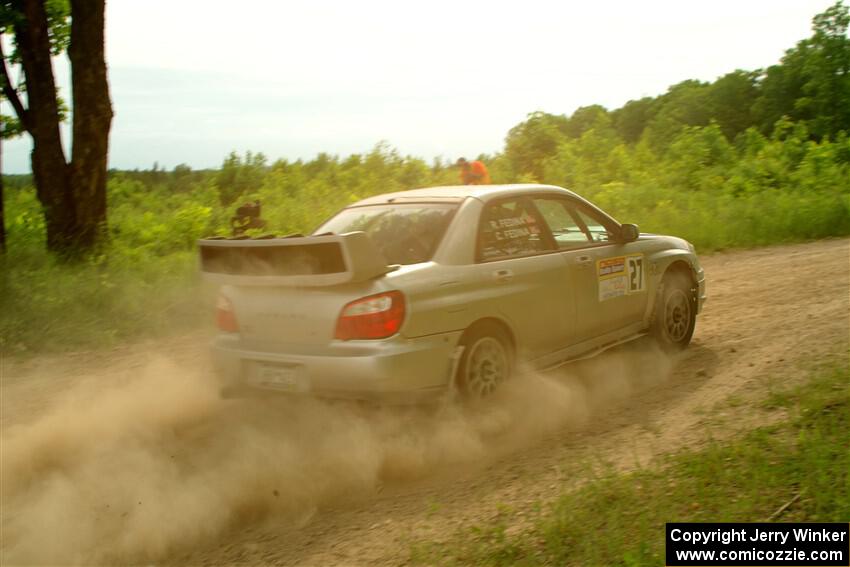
(487, 361)
(675, 314)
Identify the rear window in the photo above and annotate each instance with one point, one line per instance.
(404, 233)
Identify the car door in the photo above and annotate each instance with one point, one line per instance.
(607, 278)
(520, 272)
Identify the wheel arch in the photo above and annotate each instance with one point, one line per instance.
(480, 327)
(676, 264)
(500, 324)
(679, 266)
(679, 274)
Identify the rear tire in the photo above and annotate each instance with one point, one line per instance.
(675, 313)
(487, 361)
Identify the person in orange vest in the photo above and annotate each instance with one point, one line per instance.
(473, 173)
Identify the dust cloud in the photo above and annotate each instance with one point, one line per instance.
(159, 463)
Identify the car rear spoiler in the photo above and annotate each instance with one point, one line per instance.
(292, 261)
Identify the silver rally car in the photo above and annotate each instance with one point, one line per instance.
(422, 293)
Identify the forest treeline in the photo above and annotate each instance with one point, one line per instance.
(752, 158)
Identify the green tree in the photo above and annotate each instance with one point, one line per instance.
(780, 87)
(684, 104)
(812, 82)
(827, 88)
(583, 119)
(238, 177)
(632, 118)
(72, 193)
(529, 143)
(731, 98)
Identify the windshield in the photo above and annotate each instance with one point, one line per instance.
(404, 233)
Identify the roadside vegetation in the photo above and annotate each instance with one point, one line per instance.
(753, 158)
(796, 471)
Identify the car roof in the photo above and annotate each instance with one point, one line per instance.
(455, 193)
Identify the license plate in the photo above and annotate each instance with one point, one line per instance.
(279, 377)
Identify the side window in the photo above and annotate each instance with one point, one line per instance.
(567, 229)
(511, 228)
(598, 229)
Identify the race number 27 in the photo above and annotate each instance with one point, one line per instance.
(635, 273)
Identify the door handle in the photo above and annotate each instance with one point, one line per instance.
(584, 260)
(503, 276)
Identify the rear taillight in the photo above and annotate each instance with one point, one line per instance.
(374, 317)
(225, 318)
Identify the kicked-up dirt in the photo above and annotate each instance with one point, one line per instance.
(130, 456)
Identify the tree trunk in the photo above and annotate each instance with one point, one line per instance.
(50, 171)
(91, 122)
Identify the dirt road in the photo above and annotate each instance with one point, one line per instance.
(131, 456)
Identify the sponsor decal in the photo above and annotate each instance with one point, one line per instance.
(511, 236)
(620, 275)
(514, 227)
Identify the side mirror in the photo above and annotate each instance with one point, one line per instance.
(629, 232)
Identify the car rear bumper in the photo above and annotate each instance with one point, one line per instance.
(396, 370)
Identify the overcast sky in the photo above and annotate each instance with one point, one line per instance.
(192, 80)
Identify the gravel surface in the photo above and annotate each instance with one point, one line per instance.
(130, 456)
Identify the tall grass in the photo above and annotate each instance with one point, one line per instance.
(49, 306)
